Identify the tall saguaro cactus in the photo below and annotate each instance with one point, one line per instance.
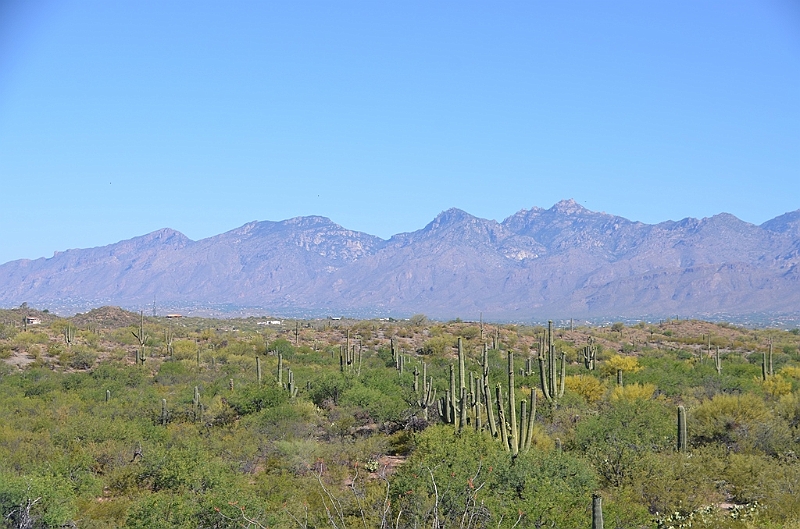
(196, 403)
(515, 435)
(514, 439)
(551, 379)
(462, 376)
(682, 440)
(141, 337)
(597, 512)
(168, 340)
(427, 397)
(590, 355)
(69, 335)
(770, 370)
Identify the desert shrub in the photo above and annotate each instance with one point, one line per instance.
(171, 373)
(328, 388)
(438, 345)
(81, 358)
(538, 489)
(7, 331)
(773, 483)
(633, 392)
(627, 364)
(184, 349)
(587, 386)
(241, 349)
(378, 405)
(469, 332)
(670, 482)
(251, 399)
(777, 386)
(742, 423)
(55, 506)
(616, 440)
(294, 419)
(282, 346)
(31, 337)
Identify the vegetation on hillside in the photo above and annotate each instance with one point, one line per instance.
(115, 419)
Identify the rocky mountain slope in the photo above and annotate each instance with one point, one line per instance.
(565, 261)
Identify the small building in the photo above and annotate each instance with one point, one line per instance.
(174, 316)
(30, 320)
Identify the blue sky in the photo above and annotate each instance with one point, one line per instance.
(120, 118)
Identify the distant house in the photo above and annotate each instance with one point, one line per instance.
(30, 320)
(270, 322)
(174, 316)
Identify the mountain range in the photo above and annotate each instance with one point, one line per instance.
(565, 261)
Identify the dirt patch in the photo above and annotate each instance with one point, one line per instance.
(388, 464)
(19, 360)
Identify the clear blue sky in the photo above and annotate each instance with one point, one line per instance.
(119, 118)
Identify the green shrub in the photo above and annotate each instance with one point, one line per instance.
(252, 399)
(618, 439)
(81, 359)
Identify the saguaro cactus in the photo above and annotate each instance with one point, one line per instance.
(597, 512)
(487, 392)
(69, 335)
(770, 371)
(501, 416)
(196, 403)
(168, 339)
(551, 380)
(427, 397)
(464, 404)
(590, 355)
(515, 435)
(682, 441)
(531, 419)
(141, 337)
(290, 387)
(514, 440)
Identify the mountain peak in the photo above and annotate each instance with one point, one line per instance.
(309, 221)
(453, 215)
(450, 217)
(162, 236)
(568, 207)
(788, 222)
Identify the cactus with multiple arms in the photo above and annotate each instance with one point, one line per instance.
(141, 337)
(552, 381)
(69, 335)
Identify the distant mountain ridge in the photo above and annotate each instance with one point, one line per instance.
(565, 261)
